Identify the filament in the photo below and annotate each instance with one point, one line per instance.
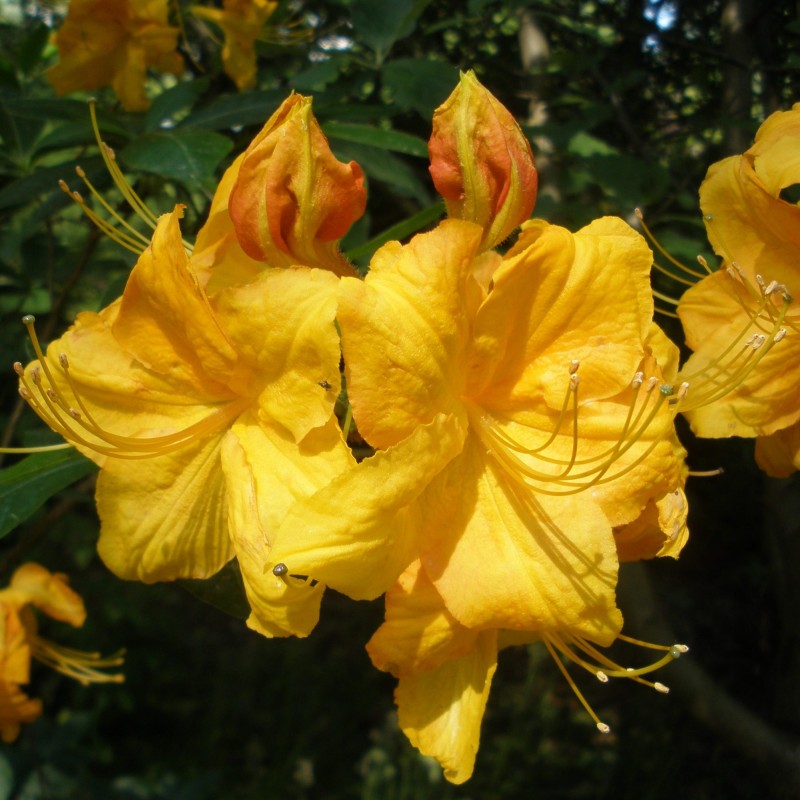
(83, 667)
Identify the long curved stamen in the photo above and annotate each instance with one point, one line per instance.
(527, 466)
(603, 668)
(79, 426)
(83, 667)
(679, 265)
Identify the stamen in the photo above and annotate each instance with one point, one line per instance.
(79, 426)
(82, 667)
(682, 267)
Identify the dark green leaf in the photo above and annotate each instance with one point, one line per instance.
(380, 24)
(238, 110)
(189, 157)
(26, 486)
(30, 50)
(45, 181)
(397, 141)
(169, 105)
(421, 84)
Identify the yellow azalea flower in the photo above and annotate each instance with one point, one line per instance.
(742, 321)
(112, 43)
(516, 426)
(481, 162)
(208, 416)
(33, 585)
(241, 22)
(445, 669)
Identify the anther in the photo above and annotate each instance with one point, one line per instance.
(79, 172)
(24, 393)
(660, 687)
(708, 217)
(19, 369)
(601, 676)
(28, 319)
(64, 186)
(74, 413)
(279, 570)
(638, 380)
(760, 282)
(677, 650)
(779, 335)
(36, 376)
(63, 360)
(574, 380)
(651, 384)
(53, 396)
(573, 366)
(773, 285)
(758, 340)
(78, 198)
(603, 728)
(683, 390)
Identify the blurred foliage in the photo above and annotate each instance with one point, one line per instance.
(626, 104)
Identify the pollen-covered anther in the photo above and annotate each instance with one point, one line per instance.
(779, 335)
(574, 381)
(601, 676)
(773, 285)
(25, 394)
(79, 171)
(760, 281)
(758, 340)
(573, 366)
(638, 380)
(677, 650)
(651, 384)
(683, 390)
(64, 186)
(63, 360)
(36, 376)
(603, 728)
(19, 369)
(74, 413)
(660, 687)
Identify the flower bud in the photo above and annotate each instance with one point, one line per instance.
(481, 162)
(293, 200)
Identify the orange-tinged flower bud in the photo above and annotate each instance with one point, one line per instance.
(293, 200)
(481, 162)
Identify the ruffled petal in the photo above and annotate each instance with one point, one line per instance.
(560, 297)
(441, 710)
(165, 518)
(506, 558)
(266, 473)
(419, 633)
(405, 329)
(359, 533)
(49, 592)
(282, 326)
(779, 454)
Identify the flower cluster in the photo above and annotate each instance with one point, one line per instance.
(114, 42)
(518, 406)
(33, 585)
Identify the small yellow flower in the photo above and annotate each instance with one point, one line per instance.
(33, 585)
(241, 22)
(742, 321)
(208, 416)
(112, 43)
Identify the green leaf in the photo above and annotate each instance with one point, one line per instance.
(45, 181)
(236, 111)
(224, 591)
(421, 84)
(30, 51)
(397, 141)
(189, 157)
(26, 486)
(381, 24)
(169, 105)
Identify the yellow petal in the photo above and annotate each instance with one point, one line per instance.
(660, 530)
(282, 326)
(779, 454)
(165, 518)
(49, 592)
(165, 319)
(418, 633)
(15, 708)
(560, 297)
(405, 329)
(266, 472)
(501, 558)
(441, 710)
(358, 533)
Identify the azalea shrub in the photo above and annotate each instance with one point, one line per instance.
(329, 352)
